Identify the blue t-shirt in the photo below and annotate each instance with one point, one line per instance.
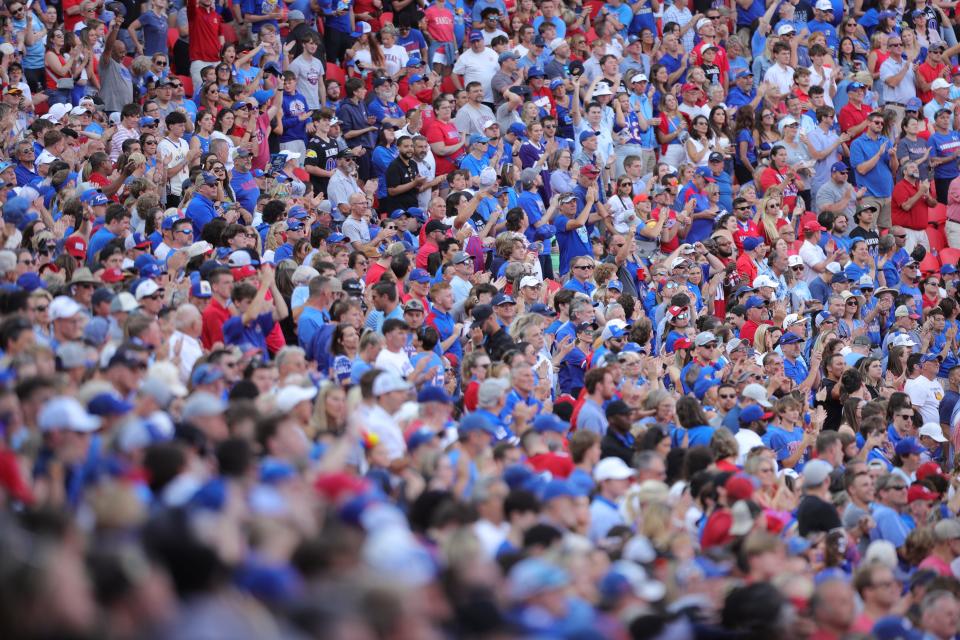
(252, 336)
(879, 180)
(943, 145)
(785, 444)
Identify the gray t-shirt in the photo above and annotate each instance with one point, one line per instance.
(498, 84)
(592, 418)
(470, 119)
(309, 76)
(116, 84)
(830, 193)
(356, 230)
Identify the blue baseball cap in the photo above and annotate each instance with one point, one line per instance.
(790, 338)
(201, 289)
(151, 270)
(417, 213)
(751, 413)
(752, 242)
(147, 121)
(535, 72)
(475, 35)
(913, 104)
(415, 61)
(854, 86)
(502, 298)
(31, 281)
(895, 628)
(263, 96)
(929, 357)
(208, 178)
(705, 173)
(549, 422)
(586, 135)
(419, 437)
(704, 384)
(839, 166)
(479, 138)
(755, 302)
(433, 393)
(518, 129)
(336, 237)
(414, 78)
(909, 446)
(420, 275)
(744, 73)
(947, 270)
(298, 212)
(560, 489)
(555, 83)
(476, 422)
(205, 374)
(169, 221)
(541, 309)
(108, 404)
(396, 214)
(294, 225)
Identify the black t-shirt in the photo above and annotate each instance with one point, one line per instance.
(871, 237)
(323, 154)
(400, 173)
(814, 514)
(834, 408)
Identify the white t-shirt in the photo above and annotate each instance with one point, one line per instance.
(747, 440)
(478, 67)
(782, 77)
(309, 76)
(398, 363)
(395, 58)
(926, 396)
(812, 254)
(176, 153)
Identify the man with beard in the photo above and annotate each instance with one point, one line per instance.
(322, 150)
(403, 179)
(384, 107)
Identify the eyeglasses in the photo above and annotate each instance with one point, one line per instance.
(151, 126)
(149, 142)
(894, 44)
(897, 487)
(584, 267)
(796, 268)
(852, 303)
(905, 416)
(745, 208)
(712, 345)
(160, 63)
(40, 309)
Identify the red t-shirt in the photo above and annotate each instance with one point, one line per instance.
(751, 228)
(69, 22)
(916, 218)
(931, 73)
(214, 316)
(667, 247)
(374, 272)
(850, 116)
(448, 134)
(439, 21)
(205, 30)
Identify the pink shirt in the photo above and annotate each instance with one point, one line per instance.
(937, 564)
(439, 23)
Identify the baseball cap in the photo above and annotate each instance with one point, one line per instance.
(815, 472)
(751, 413)
(612, 468)
(66, 414)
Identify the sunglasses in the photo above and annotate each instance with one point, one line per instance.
(585, 267)
(160, 63)
(41, 309)
(726, 396)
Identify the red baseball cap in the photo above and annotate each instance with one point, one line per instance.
(928, 469)
(738, 488)
(239, 273)
(955, 71)
(112, 276)
(589, 170)
(689, 86)
(682, 343)
(813, 225)
(76, 246)
(920, 492)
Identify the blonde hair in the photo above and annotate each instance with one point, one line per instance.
(273, 235)
(769, 222)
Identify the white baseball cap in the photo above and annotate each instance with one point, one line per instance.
(291, 395)
(794, 261)
(939, 83)
(387, 382)
(63, 307)
(529, 281)
(612, 469)
(66, 414)
(145, 289)
(932, 430)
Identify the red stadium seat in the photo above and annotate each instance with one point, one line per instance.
(949, 255)
(937, 237)
(334, 72)
(187, 86)
(938, 214)
(930, 264)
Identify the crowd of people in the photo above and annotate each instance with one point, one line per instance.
(422, 318)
